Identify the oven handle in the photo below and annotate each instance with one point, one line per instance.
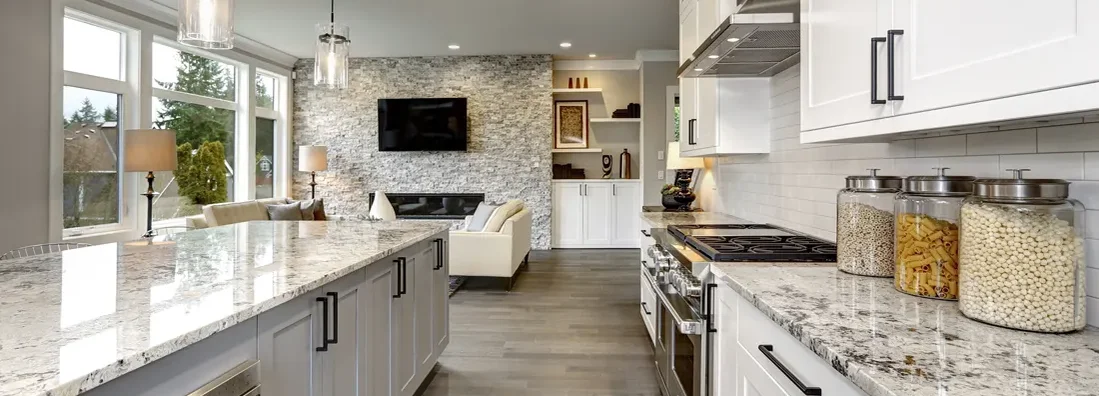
(689, 327)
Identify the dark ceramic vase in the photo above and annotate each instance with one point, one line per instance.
(669, 202)
(685, 199)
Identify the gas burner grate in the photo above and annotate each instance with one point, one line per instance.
(775, 248)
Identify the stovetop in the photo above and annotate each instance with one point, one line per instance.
(753, 242)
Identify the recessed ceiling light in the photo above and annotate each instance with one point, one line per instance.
(566, 44)
(454, 46)
(712, 56)
(733, 39)
(698, 69)
(591, 55)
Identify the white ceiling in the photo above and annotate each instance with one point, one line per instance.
(612, 29)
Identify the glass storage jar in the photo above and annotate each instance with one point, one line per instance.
(864, 224)
(926, 245)
(1022, 255)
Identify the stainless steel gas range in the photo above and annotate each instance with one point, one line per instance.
(678, 271)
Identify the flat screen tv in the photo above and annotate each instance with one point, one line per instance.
(428, 124)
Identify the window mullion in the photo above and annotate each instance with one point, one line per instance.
(79, 80)
(192, 98)
(246, 134)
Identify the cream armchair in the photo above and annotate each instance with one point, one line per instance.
(492, 254)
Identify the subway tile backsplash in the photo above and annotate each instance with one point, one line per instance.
(795, 186)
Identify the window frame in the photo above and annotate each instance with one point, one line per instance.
(140, 32)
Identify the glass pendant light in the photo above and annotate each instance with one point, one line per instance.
(206, 23)
(333, 49)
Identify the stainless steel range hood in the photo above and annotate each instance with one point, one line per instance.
(759, 40)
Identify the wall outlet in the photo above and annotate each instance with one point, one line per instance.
(660, 156)
(660, 174)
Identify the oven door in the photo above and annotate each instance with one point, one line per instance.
(683, 346)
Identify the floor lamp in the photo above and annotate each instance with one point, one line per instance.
(312, 159)
(149, 150)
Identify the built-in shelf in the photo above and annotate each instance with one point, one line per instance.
(586, 150)
(576, 90)
(622, 120)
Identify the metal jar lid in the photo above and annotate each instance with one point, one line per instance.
(873, 182)
(1019, 188)
(940, 184)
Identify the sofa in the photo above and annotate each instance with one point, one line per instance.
(236, 212)
(498, 254)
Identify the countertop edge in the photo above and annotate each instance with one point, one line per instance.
(840, 364)
(127, 365)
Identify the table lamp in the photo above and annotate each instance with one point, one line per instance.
(312, 159)
(149, 150)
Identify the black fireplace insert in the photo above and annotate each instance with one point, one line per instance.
(433, 206)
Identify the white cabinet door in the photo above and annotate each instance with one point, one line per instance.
(751, 379)
(648, 307)
(688, 115)
(568, 214)
(441, 323)
(598, 214)
(836, 58)
(725, 344)
(708, 17)
(381, 288)
(404, 329)
(688, 30)
(425, 313)
(707, 131)
(287, 344)
(627, 203)
(970, 51)
(346, 355)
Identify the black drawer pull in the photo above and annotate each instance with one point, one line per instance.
(891, 67)
(645, 307)
(324, 324)
(335, 317)
(397, 262)
(874, 70)
(646, 233)
(805, 390)
(404, 279)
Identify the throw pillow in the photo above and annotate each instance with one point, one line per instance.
(318, 210)
(289, 212)
(481, 216)
(496, 222)
(308, 207)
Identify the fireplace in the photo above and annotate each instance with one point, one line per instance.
(433, 206)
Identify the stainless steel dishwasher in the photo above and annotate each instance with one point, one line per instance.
(242, 380)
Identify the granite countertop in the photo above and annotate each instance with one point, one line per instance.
(664, 219)
(889, 343)
(76, 319)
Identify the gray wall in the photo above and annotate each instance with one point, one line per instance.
(620, 88)
(25, 109)
(510, 132)
(655, 79)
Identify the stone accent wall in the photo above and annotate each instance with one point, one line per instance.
(510, 132)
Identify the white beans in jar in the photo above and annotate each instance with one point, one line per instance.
(1021, 269)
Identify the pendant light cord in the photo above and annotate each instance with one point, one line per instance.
(333, 13)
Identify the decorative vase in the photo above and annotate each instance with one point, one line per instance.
(684, 198)
(607, 162)
(624, 164)
(669, 202)
(585, 82)
(570, 82)
(382, 209)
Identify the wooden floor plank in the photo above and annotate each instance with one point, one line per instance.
(570, 326)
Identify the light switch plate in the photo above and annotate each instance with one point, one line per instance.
(660, 174)
(660, 155)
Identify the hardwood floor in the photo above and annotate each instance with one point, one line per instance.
(570, 326)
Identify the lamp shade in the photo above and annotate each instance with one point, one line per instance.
(333, 50)
(149, 150)
(206, 23)
(312, 158)
(677, 162)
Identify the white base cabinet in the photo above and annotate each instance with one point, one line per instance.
(742, 368)
(375, 332)
(596, 213)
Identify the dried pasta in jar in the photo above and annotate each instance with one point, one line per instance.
(926, 253)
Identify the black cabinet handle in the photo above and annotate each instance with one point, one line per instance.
(691, 131)
(442, 254)
(646, 233)
(874, 41)
(890, 62)
(397, 262)
(805, 390)
(335, 317)
(708, 296)
(404, 279)
(645, 307)
(324, 324)
(614, 189)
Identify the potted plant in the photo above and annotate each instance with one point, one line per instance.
(671, 196)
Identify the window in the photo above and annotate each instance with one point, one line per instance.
(204, 172)
(265, 158)
(266, 91)
(185, 72)
(91, 109)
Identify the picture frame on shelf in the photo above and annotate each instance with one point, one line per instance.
(570, 124)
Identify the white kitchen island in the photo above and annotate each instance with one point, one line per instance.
(166, 318)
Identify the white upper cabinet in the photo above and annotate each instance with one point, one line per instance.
(708, 19)
(961, 52)
(688, 30)
(836, 60)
